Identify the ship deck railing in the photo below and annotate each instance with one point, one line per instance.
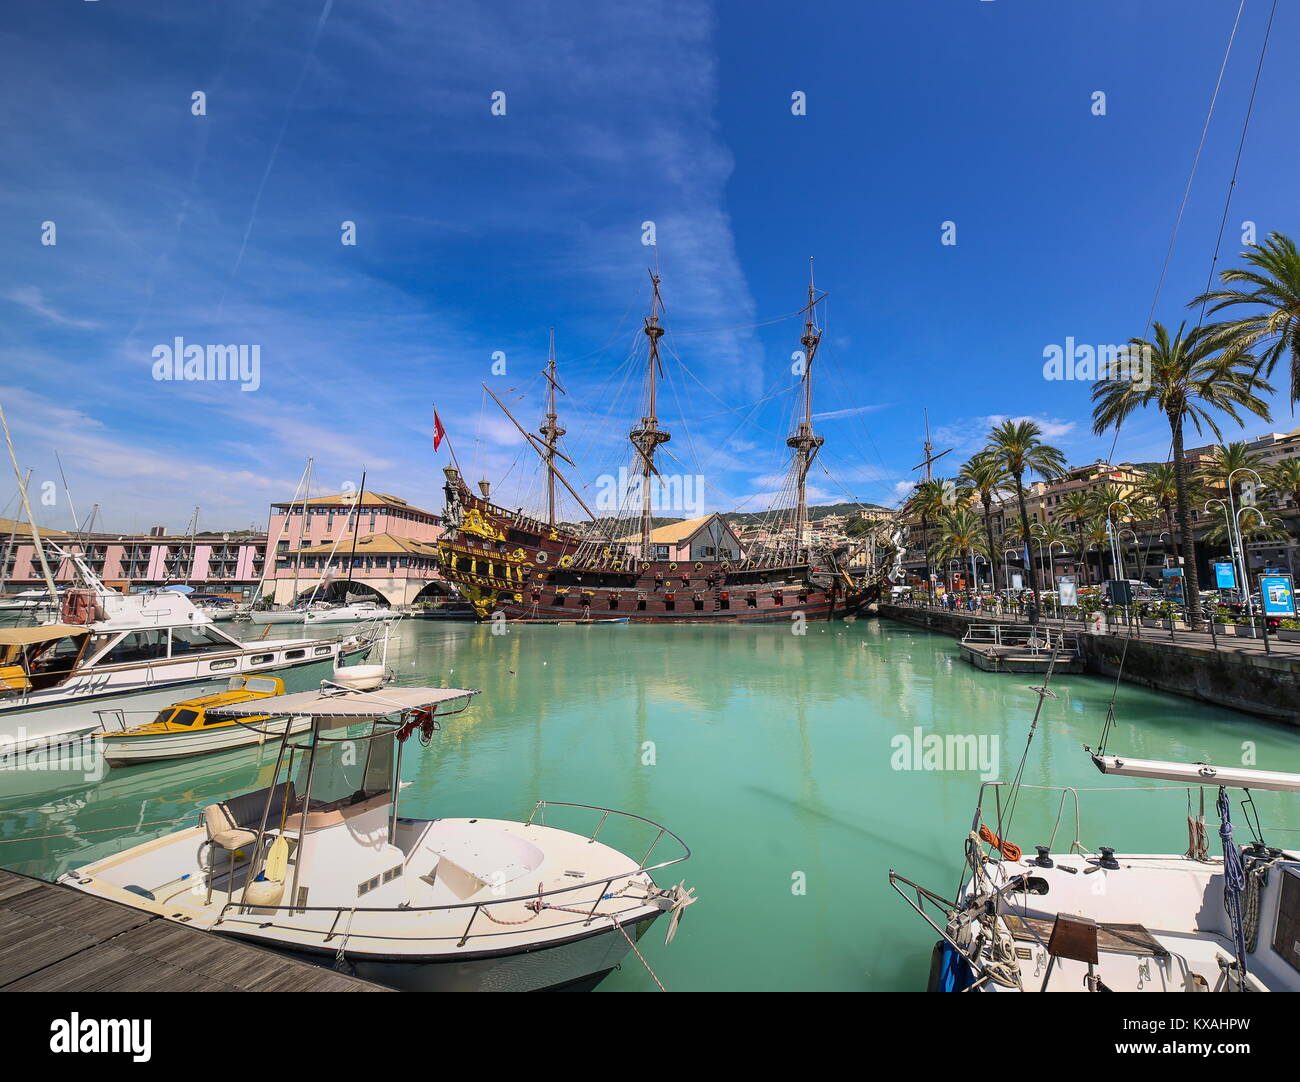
(234, 909)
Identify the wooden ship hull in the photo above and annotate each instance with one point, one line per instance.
(507, 562)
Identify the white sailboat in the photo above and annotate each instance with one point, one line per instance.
(1073, 920)
(357, 612)
(321, 864)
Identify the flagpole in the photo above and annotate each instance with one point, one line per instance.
(446, 437)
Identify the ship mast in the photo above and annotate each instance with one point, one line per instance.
(648, 436)
(552, 432)
(805, 442)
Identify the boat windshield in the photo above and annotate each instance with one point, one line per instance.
(348, 771)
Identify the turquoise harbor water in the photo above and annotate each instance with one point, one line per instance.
(772, 759)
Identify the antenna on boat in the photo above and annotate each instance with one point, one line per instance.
(805, 442)
(551, 431)
(649, 436)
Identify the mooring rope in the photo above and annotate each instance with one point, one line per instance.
(96, 830)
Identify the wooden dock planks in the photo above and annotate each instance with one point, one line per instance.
(54, 939)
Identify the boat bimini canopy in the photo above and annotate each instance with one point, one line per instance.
(1198, 773)
(344, 705)
(26, 636)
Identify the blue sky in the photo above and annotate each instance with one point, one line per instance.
(477, 233)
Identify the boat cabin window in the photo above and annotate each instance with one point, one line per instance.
(197, 640)
(136, 646)
(181, 717)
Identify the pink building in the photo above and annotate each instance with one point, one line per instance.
(396, 552)
(230, 564)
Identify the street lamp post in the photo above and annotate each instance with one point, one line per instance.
(1241, 548)
(1051, 575)
(1117, 561)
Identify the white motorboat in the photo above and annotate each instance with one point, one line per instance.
(1074, 920)
(320, 864)
(58, 682)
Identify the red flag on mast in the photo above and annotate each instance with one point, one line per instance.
(438, 431)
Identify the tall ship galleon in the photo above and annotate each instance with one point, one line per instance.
(621, 566)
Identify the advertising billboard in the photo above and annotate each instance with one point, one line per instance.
(1277, 595)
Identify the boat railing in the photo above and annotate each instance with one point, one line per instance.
(476, 908)
(949, 917)
(118, 715)
(1033, 637)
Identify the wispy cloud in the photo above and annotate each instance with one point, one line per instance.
(34, 300)
(852, 411)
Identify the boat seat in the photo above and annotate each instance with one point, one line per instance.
(224, 833)
(222, 828)
(13, 678)
(246, 809)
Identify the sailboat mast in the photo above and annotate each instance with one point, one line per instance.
(356, 525)
(805, 442)
(648, 436)
(552, 433)
(302, 530)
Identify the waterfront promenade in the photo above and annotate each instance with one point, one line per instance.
(1235, 671)
(1219, 639)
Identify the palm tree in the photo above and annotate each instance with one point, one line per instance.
(1274, 286)
(984, 478)
(1285, 477)
(1159, 488)
(1189, 375)
(929, 500)
(1017, 448)
(1076, 506)
(1261, 526)
(1095, 533)
(1226, 460)
(959, 537)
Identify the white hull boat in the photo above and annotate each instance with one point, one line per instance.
(349, 614)
(60, 683)
(271, 616)
(321, 865)
(1074, 920)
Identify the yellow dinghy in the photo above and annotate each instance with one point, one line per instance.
(184, 729)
